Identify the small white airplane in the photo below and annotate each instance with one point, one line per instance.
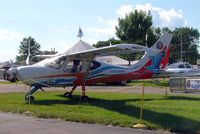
(5, 65)
(81, 68)
(182, 69)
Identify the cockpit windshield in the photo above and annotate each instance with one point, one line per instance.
(188, 66)
(55, 62)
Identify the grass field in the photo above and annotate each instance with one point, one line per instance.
(7, 82)
(175, 113)
(152, 83)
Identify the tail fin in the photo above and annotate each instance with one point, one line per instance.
(165, 60)
(162, 43)
(162, 52)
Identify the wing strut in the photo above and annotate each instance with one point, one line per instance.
(84, 97)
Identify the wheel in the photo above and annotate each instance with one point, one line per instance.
(123, 83)
(85, 99)
(29, 99)
(68, 95)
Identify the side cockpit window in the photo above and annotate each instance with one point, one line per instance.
(73, 66)
(188, 66)
(56, 63)
(94, 65)
(181, 66)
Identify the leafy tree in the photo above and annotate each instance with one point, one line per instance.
(134, 27)
(27, 43)
(46, 52)
(111, 41)
(157, 32)
(189, 38)
(137, 25)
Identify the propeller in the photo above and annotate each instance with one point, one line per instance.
(11, 73)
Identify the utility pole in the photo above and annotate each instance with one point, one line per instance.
(181, 49)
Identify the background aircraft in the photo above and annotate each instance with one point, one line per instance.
(81, 69)
(182, 69)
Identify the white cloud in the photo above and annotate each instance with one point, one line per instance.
(59, 30)
(124, 9)
(107, 30)
(63, 48)
(9, 35)
(7, 55)
(108, 21)
(172, 18)
(9, 41)
(161, 17)
(91, 41)
(102, 31)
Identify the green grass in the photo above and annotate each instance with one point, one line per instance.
(151, 83)
(175, 113)
(8, 82)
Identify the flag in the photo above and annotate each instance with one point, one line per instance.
(80, 33)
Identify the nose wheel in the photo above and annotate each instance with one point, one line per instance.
(68, 95)
(29, 99)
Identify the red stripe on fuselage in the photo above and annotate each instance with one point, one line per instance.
(64, 75)
(142, 73)
(78, 81)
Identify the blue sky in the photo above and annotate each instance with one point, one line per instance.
(54, 23)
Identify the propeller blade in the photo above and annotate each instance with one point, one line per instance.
(11, 64)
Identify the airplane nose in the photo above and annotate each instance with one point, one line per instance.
(12, 74)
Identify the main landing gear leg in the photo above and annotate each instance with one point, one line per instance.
(84, 98)
(69, 94)
(28, 97)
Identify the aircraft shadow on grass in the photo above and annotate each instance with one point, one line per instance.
(172, 122)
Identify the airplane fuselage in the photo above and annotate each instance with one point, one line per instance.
(100, 72)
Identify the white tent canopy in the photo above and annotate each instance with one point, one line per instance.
(82, 46)
(79, 46)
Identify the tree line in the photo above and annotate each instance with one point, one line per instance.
(137, 28)
(27, 45)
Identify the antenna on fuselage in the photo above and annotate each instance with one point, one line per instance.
(80, 33)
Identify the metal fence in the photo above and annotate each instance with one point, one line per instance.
(185, 84)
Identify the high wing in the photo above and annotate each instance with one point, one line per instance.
(43, 56)
(110, 50)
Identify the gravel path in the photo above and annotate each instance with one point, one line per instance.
(123, 89)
